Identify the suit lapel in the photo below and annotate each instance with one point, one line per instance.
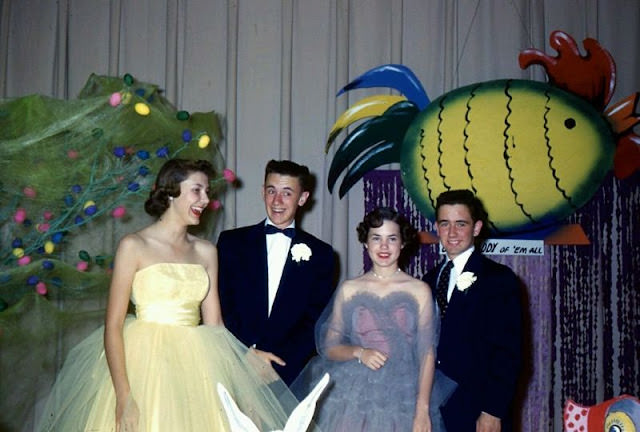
(259, 245)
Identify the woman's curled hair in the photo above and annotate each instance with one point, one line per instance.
(167, 184)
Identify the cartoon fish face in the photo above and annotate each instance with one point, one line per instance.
(531, 152)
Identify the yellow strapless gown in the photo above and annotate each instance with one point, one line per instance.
(173, 365)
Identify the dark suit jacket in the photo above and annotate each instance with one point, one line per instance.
(480, 344)
(305, 289)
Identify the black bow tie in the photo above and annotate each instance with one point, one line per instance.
(272, 229)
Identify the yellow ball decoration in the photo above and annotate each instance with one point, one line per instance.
(88, 204)
(126, 98)
(142, 109)
(204, 141)
(18, 252)
(49, 247)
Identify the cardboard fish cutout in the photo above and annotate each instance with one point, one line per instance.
(533, 152)
(620, 414)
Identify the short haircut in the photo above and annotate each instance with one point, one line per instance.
(463, 197)
(171, 174)
(289, 168)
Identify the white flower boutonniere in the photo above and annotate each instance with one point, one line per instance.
(465, 280)
(300, 252)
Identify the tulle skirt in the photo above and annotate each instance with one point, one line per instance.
(173, 372)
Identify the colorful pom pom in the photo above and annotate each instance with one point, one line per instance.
(128, 79)
(229, 175)
(49, 247)
(118, 212)
(57, 237)
(115, 99)
(182, 115)
(16, 243)
(186, 135)
(18, 252)
(126, 98)
(32, 280)
(84, 255)
(29, 192)
(142, 109)
(204, 141)
(43, 227)
(142, 154)
(119, 152)
(82, 266)
(76, 188)
(20, 215)
(48, 265)
(41, 288)
(162, 152)
(143, 171)
(24, 260)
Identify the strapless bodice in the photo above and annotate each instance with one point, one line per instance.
(170, 293)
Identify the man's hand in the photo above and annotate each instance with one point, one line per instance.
(488, 423)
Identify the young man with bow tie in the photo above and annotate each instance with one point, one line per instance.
(274, 278)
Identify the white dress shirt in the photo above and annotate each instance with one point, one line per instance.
(458, 265)
(278, 246)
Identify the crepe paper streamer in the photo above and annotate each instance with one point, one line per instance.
(182, 115)
(41, 288)
(186, 135)
(20, 215)
(82, 266)
(118, 212)
(115, 99)
(142, 109)
(24, 260)
(49, 247)
(29, 192)
(18, 252)
(229, 175)
(203, 141)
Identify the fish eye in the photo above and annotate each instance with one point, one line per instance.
(569, 123)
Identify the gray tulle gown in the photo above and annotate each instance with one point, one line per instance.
(403, 324)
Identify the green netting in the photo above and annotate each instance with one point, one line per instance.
(65, 167)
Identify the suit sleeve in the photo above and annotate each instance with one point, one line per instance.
(504, 339)
(321, 287)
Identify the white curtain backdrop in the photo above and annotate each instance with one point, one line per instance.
(272, 68)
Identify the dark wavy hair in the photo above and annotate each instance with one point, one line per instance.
(290, 168)
(476, 208)
(172, 173)
(375, 219)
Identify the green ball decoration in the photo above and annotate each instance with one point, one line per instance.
(128, 79)
(84, 255)
(182, 115)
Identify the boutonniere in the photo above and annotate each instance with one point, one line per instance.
(300, 252)
(465, 280)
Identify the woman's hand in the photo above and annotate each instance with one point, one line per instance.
(372, 358)
(421, 422)
(127, 415)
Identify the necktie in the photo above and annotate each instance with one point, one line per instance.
(272, 229)
(443, 288)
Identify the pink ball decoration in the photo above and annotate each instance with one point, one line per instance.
(29, 192)
(118, 212)
(115, 99)
(215, 205)
(47, 215)
(41, 288)
(72, 154)
(43, 227)
(20, 215)
(229, 175)
(82, 266)
(24, 260)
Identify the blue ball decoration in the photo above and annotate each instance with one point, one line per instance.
(76, 188)
(68, 200)
(48, 265)
(143, 171)
(78, 220)
(186, 135)
(91, 210)
(119, 152)
(57, 237)
(32, 280)
(133, 186)
(16, 243)
(142, 154)
(162, 152)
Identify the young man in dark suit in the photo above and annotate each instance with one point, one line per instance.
(481, 329)
(275, 279)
